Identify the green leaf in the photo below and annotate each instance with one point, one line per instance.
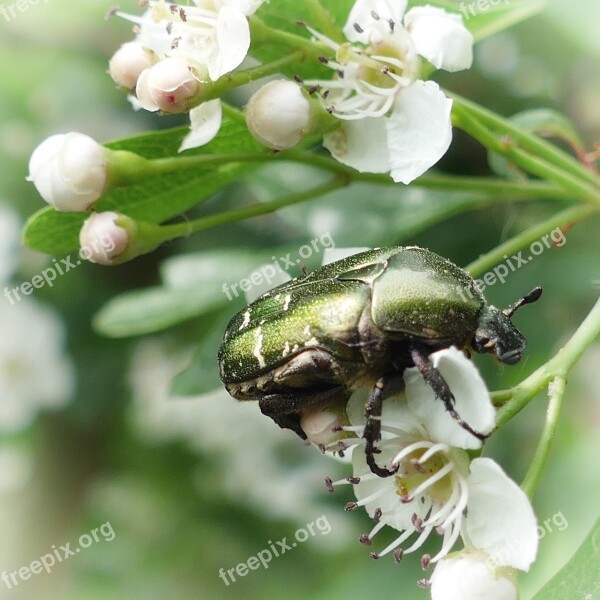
(156, 199)
(546, 123)
(284, 15)
(580, 577)
(193, 286)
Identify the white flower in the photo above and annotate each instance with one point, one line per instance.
(101, 239)
(278, 115)
(34, 372)
(10, 237)
(259, 476)
(128, 62)
(468, 575)
(392, 121)
(435, 485)
(69, 171)
(212, 35)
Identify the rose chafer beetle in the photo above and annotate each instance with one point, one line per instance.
(361, 321)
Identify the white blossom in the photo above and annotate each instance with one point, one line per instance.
(435, 485)
(391, 120)
(10, 236)
(212, 35)
(35, 373)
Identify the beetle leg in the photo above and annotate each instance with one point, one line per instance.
(384, 387)
(285, 409)
(438, 384)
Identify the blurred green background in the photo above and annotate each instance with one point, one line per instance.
(89, 431)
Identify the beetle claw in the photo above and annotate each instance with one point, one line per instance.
(375, 468)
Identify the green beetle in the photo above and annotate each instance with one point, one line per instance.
(361, 321)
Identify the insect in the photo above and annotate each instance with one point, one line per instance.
(361, 321)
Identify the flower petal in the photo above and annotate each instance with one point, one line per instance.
(360, 144)
(362, 12)
(441, 37)
(466, 576)
(205, 124)
(500, 518)
(247, 7)
(233, 41)
(419, 130)
(472, 400)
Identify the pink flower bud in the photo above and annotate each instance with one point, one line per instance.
(128, 62)
(101, 239)
(168, 85)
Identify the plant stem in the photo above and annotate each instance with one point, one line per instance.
(509, 190)
(558, 366)
(530, 163)
(528, 141)
(216, 89)
(485, 262)
(261, 33)
(168, 232)
(556, 392)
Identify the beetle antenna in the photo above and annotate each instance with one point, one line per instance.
(533, 296)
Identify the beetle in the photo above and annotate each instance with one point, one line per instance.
(361, 321)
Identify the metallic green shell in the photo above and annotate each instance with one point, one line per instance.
(412, 293)
(424, 295)
(287, 320)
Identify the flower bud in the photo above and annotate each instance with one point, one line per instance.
(168, 85)
(467, 575)
(69, 171)
(128, 62)
(278, 115)
(323, 426)
(101, 239)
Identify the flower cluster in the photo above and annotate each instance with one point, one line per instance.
(436, 488)
(176, 50)
(375, 114)
(389, 119)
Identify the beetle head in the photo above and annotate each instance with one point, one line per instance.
(496, 332)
